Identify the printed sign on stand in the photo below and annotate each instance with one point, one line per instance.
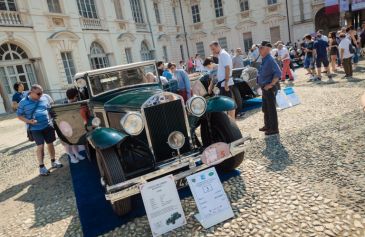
(281, 100)
(162, 203)
(210, 197)
(291, 96)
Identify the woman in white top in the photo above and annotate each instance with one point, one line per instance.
(199, 63)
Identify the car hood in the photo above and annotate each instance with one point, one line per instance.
(132, 99)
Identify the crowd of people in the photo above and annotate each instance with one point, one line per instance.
(273, 61)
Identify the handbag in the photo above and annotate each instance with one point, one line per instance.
(351, 49)
(29, 132)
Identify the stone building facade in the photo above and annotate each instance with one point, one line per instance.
(48, 41)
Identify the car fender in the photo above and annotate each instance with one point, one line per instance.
(220, 104)
(103, 138)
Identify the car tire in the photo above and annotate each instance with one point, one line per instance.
(223, 129)
(114, 174)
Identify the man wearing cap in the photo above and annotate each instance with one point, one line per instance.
(268, 77)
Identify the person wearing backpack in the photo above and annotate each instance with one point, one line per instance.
(34, 111)
(346, 53)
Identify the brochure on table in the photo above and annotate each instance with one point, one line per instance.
(210, 197)
(162, 204)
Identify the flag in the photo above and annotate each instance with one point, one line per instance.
(331, 6)
(344, 5)
(358, 4)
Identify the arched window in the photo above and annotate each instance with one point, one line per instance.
(98, 57)
(15, 66)
(145, 52)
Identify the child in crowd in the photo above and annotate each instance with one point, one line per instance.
(73, 150)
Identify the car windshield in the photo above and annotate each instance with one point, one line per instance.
(112, 80)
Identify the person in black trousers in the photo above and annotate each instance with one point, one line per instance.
(268, 78)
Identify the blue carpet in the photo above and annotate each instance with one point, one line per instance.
(95, 213)
(252, 104)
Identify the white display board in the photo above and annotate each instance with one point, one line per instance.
(162, 204)
(291, 96)
(286, 98)
(210, 197)
(281, 100)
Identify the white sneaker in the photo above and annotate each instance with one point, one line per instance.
(80, 157)
(73, 159)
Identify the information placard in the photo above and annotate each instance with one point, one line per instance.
(162, 204)
(291, 96)
(210, 198)
(281, 100)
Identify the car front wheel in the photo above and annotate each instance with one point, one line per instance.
(222, 129)
(112, 171)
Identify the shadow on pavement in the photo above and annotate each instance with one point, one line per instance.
(19, 147)
(276, 153)
(48, 195)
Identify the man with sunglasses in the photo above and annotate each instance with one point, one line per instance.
(33, 110)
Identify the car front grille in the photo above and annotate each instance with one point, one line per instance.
(162, 120)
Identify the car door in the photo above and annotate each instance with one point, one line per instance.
(71, 122)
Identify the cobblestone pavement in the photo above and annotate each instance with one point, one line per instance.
(309, 181)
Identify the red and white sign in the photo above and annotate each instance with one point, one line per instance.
(215, 152)
(331, 6)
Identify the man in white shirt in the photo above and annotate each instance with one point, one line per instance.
(283, 56)
(224, 73)
(345, 55)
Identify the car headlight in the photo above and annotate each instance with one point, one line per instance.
(96, 122)
(132, 123)
(245, 76)
(176, 140)
(197, 105)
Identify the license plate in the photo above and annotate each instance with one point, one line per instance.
(181, 183)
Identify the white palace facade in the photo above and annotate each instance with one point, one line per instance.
(48, 41)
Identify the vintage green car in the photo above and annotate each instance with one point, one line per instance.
(139, 131)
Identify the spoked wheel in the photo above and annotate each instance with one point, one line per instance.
(223, 129)
(112, 171)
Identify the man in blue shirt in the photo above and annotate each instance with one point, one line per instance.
(184, 88)
(268, 78)
(33, 110)
(320, 49)
(18, 95)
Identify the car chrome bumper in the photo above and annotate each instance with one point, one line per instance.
(131, 187)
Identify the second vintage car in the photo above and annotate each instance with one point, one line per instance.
(138, 132)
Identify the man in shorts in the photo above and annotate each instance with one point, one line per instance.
(224, 73)
(308, 59)
(320, 50)
(33, 110)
